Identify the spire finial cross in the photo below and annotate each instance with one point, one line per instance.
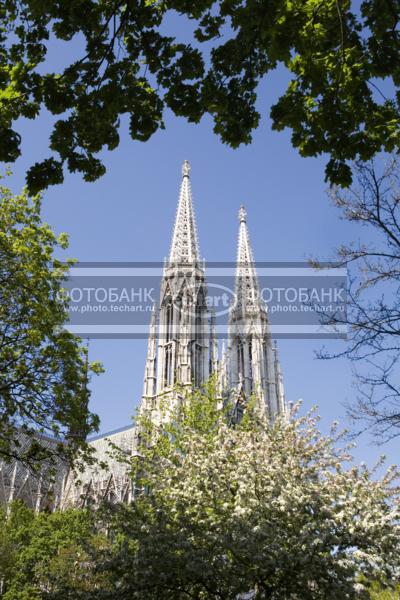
(242, 214)
(185, 168)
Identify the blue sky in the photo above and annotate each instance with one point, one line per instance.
(128, 215)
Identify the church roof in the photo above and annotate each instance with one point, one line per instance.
(112, 432)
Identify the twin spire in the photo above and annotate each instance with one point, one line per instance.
(185, 350)
(185, 247)
(185, 244)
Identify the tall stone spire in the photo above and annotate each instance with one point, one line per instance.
(252, 367)
(183, 356)
(185, 245)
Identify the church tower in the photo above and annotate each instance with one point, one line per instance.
(181, 352)
(182, 347)
(254, 368)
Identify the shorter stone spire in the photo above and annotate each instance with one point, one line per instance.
(246, 287)
(252, 368)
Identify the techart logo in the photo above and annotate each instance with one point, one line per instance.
(218, 300)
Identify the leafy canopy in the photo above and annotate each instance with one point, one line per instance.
(43, 368)
(341, 57)
(46, 554)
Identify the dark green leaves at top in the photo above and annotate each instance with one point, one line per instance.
(343, 61)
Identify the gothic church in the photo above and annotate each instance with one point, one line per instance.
(182, 349)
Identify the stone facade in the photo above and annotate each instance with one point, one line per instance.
(40, 490)
(108, 479)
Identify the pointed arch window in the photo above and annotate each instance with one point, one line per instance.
(168, 375)
(240, 358)
(169, 315)
(197, 364)
(198, 346)
(169, 334)
(265, 359)
(250, 346)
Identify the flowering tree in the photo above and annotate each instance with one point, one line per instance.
(223, 512)
(253, 511)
